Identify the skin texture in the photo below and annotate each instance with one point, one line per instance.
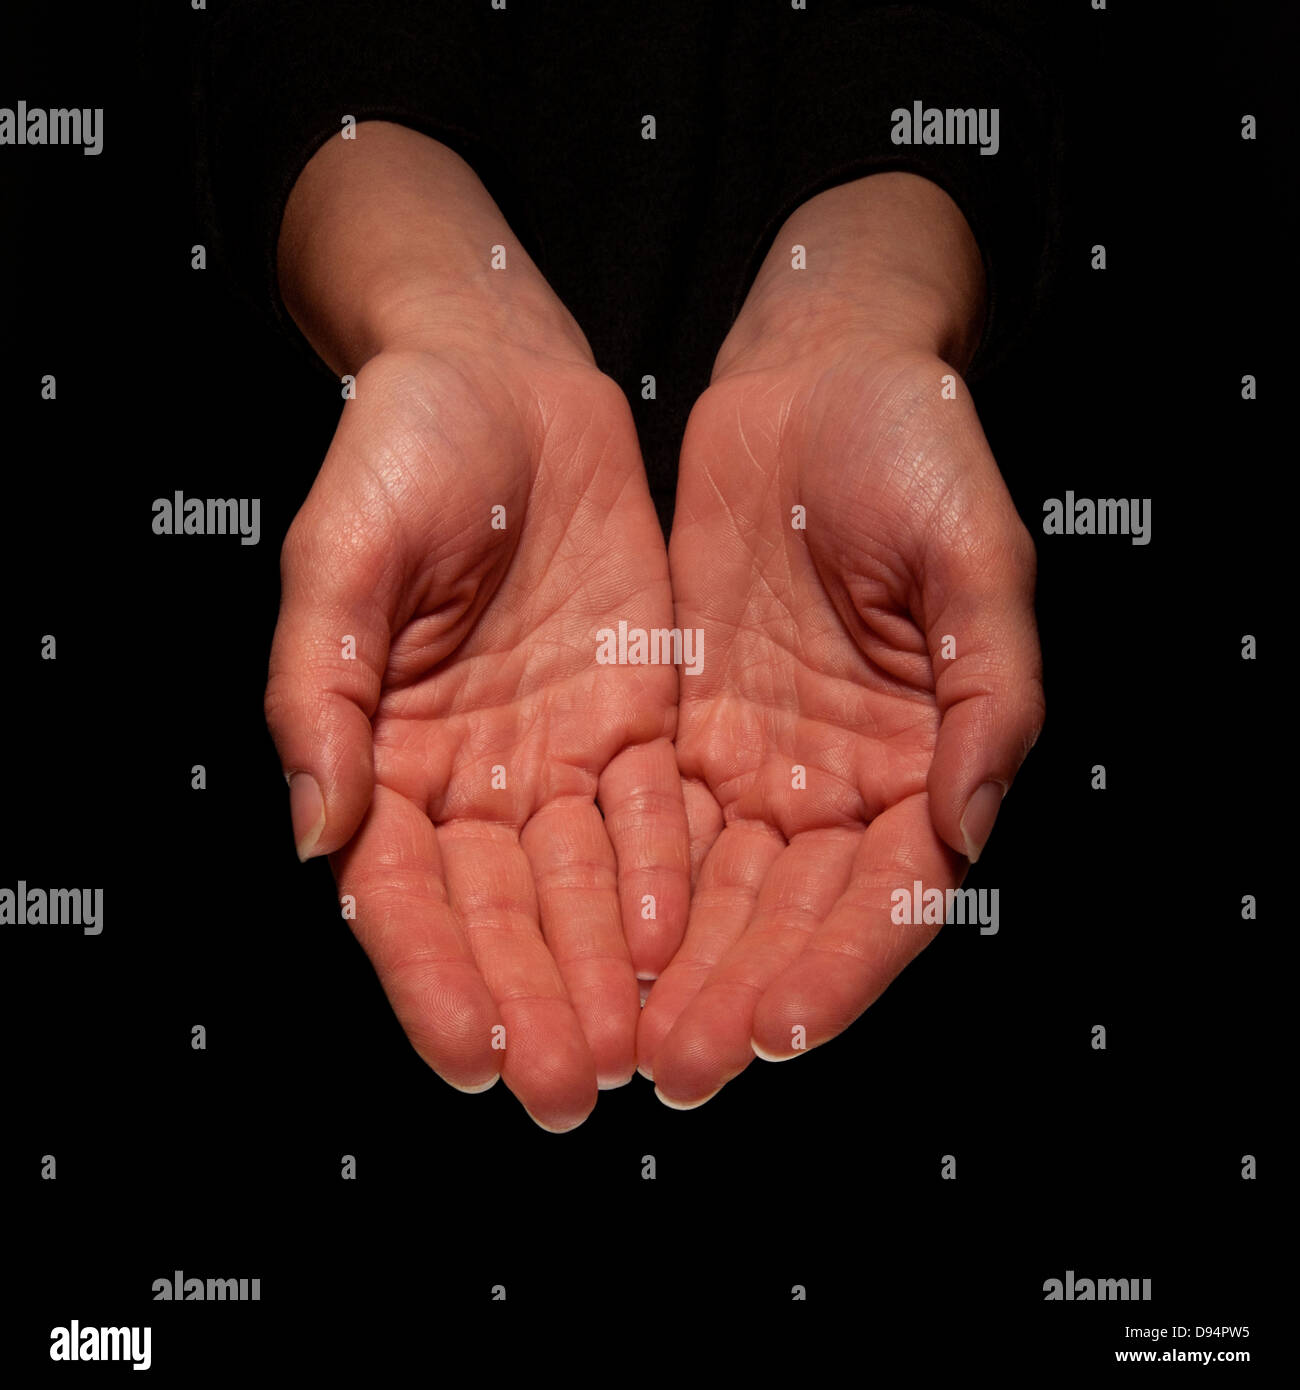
(519, 907)
(482, 906)
(824, 643)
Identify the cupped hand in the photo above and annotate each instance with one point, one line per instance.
(871, 684)
(504, 809)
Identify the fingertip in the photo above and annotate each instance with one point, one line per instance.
(976, 824)
(558, 1110)
(608, 1025)
(685, 1104)
(307, 811)
(471, 1090)
(562, 1127)
(787, 1016)
(448, 1017)
(652, 944)
(548, 1064)
(693, 1065)
(651, 1031)
(327, 756)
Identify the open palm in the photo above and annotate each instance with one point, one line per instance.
(473, 535)
(864, 586)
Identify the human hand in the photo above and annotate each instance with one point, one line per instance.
(827, 647)
(481, 513)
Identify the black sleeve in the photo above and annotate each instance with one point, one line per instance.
(834, 73)
(277, 78)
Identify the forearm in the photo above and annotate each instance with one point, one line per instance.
(888, 257)
(387, 242)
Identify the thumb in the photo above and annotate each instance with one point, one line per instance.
(327, 662)
(978, 593)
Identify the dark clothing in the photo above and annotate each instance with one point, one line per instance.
(652, 244)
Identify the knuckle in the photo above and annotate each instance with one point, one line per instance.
(1024, 553)
(1035, 712)
(608, 400)
(296, 551)
(278, 702)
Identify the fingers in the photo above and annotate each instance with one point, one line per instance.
(849, 959)
(703, 823)
(546, 1063)
(327, 660)
(574, 869)
(416, 943)
(979, 607)
(710, 1043)
(645, 821)
(721, 908)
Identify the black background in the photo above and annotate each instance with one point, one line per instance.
(1120, 907)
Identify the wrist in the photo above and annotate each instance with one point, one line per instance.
(411, 309)
(889, 261)
(390, 242)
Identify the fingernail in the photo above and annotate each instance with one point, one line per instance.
(643, 1071)
(553, 1129)
(773, 1056)
(307, 807)
(684, 1105)
(644, 984)
(981, 812)
(476, 1090)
